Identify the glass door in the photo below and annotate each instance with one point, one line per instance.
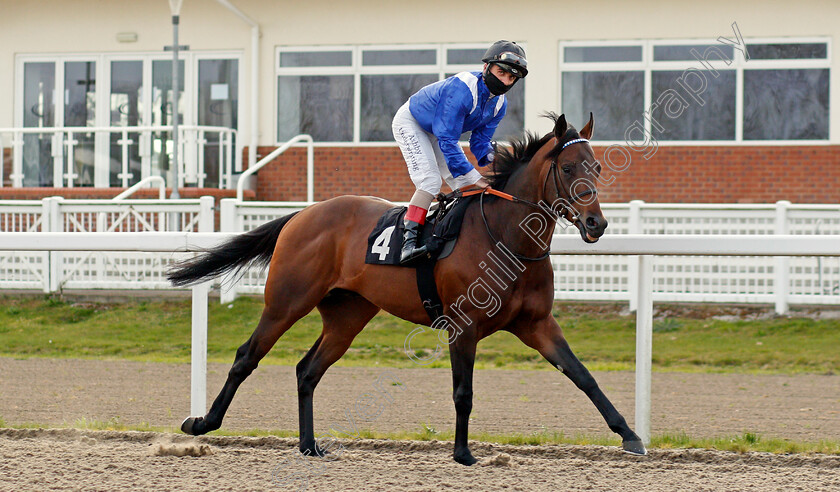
(38, 112)
(218, 105)
(126, 109)
(162, 97)
(79, 111)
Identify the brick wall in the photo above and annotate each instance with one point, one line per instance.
(801, 174)
(377, 171)
(760, 174)
(765, 174)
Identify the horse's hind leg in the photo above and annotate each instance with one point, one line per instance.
(345, 314)
(273, 323)
(547, 338)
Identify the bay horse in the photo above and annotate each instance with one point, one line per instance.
(316, 259)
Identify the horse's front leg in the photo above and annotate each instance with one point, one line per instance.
(462, 356)
(546, 336)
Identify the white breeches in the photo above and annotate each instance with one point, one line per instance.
(422, 154)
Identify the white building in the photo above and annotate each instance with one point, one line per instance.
(338, 70)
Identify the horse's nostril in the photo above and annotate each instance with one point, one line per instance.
(595, 223)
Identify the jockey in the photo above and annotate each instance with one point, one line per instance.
(428, 127)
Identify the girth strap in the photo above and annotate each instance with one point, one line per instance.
(428, 289)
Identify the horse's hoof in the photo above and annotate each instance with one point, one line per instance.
(465, 458)
(635, 447)
(188, 425)
(314, 451)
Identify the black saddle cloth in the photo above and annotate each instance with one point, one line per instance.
(439, 234)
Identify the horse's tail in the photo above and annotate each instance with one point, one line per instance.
(251, 248)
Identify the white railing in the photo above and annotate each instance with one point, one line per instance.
(147, 243)
(143, 183)
(237, 216)
(738, 279)
(148, 141)
(643, 247)
(735, 279)
(647, 248)
(54, 271)
(310, 166)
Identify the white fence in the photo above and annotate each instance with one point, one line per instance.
(736, 279)
(733, 279)
(54, 271)
(642, 246)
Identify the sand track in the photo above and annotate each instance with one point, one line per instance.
(69, 459)
(60, 392)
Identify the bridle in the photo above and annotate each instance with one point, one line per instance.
(540, 206)
(575, 199)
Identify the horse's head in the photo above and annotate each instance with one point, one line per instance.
(569, 171)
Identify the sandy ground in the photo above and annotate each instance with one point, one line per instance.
(86, 460)
(62, 391)
(59, 392)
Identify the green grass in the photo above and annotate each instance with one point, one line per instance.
(160, 331)
(744, 443)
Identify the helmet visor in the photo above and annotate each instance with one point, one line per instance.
(513, 63)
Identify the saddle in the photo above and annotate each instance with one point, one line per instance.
(440, 234)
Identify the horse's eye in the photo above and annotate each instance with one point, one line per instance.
(567, 170)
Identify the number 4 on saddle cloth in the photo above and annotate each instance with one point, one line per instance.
(439, 235)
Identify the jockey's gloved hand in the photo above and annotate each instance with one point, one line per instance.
(487, 159)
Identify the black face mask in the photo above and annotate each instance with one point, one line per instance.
(494, 85)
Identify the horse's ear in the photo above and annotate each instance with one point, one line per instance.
(586, 132)
(560, 127)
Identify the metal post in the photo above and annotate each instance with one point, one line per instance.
(47, 224)
(781, 264)
(175, 84)
(634, 226)
(310, 173)
(198, 367)
(174, 217)
(644, 347)
(227, 223)
(206, 216)
(56, 225)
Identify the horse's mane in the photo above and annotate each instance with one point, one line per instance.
(522, 150)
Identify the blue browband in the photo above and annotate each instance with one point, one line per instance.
(570, 142)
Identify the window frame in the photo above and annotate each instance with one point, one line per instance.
(103, 90)
(357, 70)
(738, 65)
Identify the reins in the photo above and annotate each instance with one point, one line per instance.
(514, 200)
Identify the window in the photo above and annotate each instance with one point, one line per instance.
(686, 119)
(120, 90)
(350, 94)
(685, 91)
(615, 97)
(320, 105)
(382, 96)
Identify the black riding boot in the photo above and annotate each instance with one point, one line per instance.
(410, 252)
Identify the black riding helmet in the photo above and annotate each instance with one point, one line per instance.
(509, 54)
